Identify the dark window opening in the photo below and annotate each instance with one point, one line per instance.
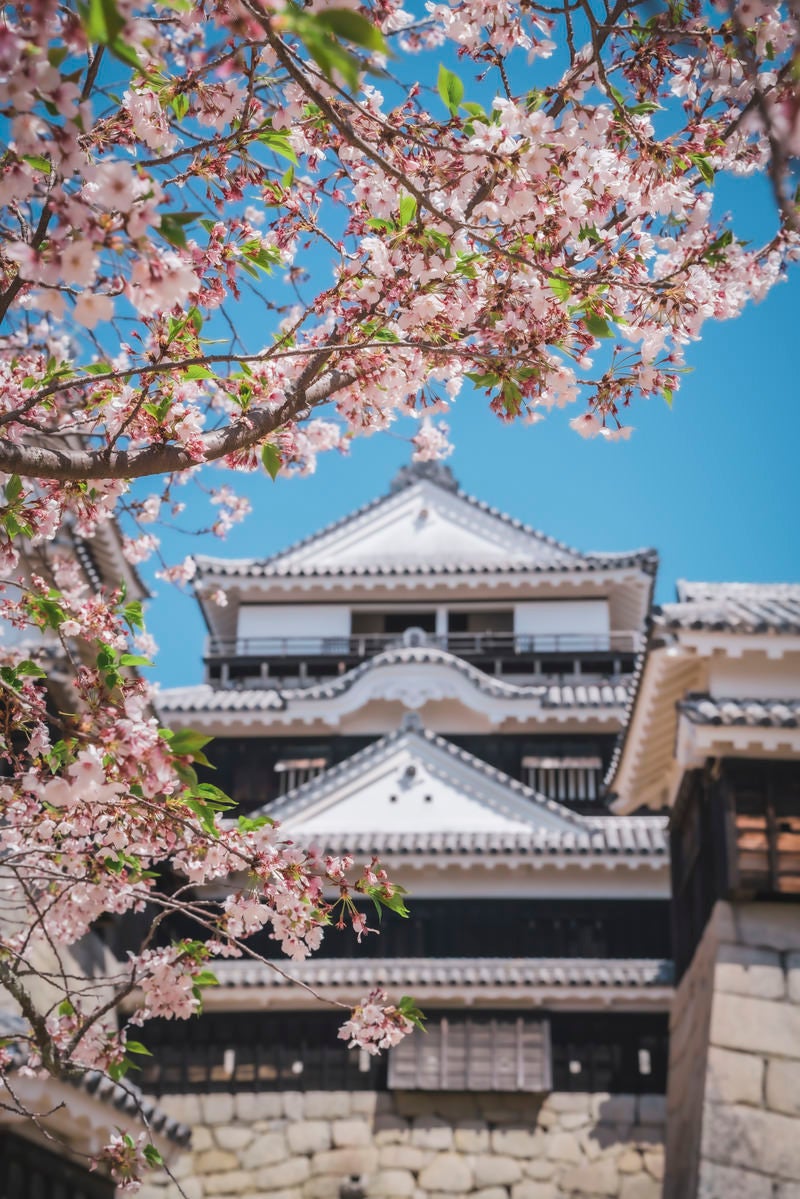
(31, 1171)
(481, 621)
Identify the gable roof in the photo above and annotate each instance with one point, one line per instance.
(425, 524)
(415, 793)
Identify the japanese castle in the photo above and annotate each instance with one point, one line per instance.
(595, 808)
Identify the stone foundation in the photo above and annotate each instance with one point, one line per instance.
(414, 1145)
(734, 1074)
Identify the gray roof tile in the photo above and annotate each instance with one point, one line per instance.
(603, 974)
(769, 713)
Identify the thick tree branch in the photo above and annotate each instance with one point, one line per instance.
(38, 462)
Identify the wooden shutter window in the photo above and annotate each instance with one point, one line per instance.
(455, 1054)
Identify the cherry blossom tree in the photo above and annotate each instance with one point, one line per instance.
(235, 233)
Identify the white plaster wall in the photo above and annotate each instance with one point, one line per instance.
(754, 676)
(294, 620)
(559, 616)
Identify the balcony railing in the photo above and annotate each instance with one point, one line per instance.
(464, 645)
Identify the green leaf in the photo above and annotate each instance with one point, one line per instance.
(187, 741)
(137, 1047)
(352, 26)
(30, 668)
(198, 372)
(13, 489)
(180, 105)
(408, 210)
(65, 1008)
(451, 89)
(38, 163)
(134, 660)
(667, 394)
(103, 21)
(133, 615)
(279, 143)
(271, 459)
(173, 224)
(560, 288)
(206, 978)
(408, 1008)
(598, 326)
(704, 168)
(151, 1154)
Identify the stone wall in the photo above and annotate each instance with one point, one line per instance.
(413, 1145)
(733, 1129)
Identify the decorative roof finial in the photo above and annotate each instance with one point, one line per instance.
(434, 472)
(411, 723)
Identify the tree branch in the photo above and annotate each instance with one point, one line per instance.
(38, 462)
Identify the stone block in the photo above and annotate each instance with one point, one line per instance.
(472, 1136)
(393, 1183)
(517, 1142)
(232, 1182)
(327, 1105)
(490, 1193)
(366, 1103)
(528, 1189)
(793, 976)
(654, 1163)
(539, 1169)
(431, 1132)
(614, 1109)
(341, 1162)
(598, 1178)
(202, 1138)
(725, 1182)
(651, 1109)
(757, 1140)
(185, 1108)
(563, 1147)
(787, 1190)
(391, 1130)
(294, 1105)
(630, 1162)
(283, 1174)
(214, 1161)
(744, 970)
(268, 1148)
(217, 1109)
(350, 1132)
(569, 1121)
(569, 1101)
(492, 1170)
(230, 1136)
(769, 925)
(734, 1077)
(309, 1136)
(251, 1106)
(639, 1186)
(783, 1087)
(447, 1173)
(403, 1157)
(756, 1025)
(325, 1187)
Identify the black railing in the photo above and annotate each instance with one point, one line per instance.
(464, 645)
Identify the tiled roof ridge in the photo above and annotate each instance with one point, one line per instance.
(566, 972)
(277, 697)
(777, 712)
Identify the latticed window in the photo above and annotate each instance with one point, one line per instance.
(576, 778)
(293, 772)
(490, 1054)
